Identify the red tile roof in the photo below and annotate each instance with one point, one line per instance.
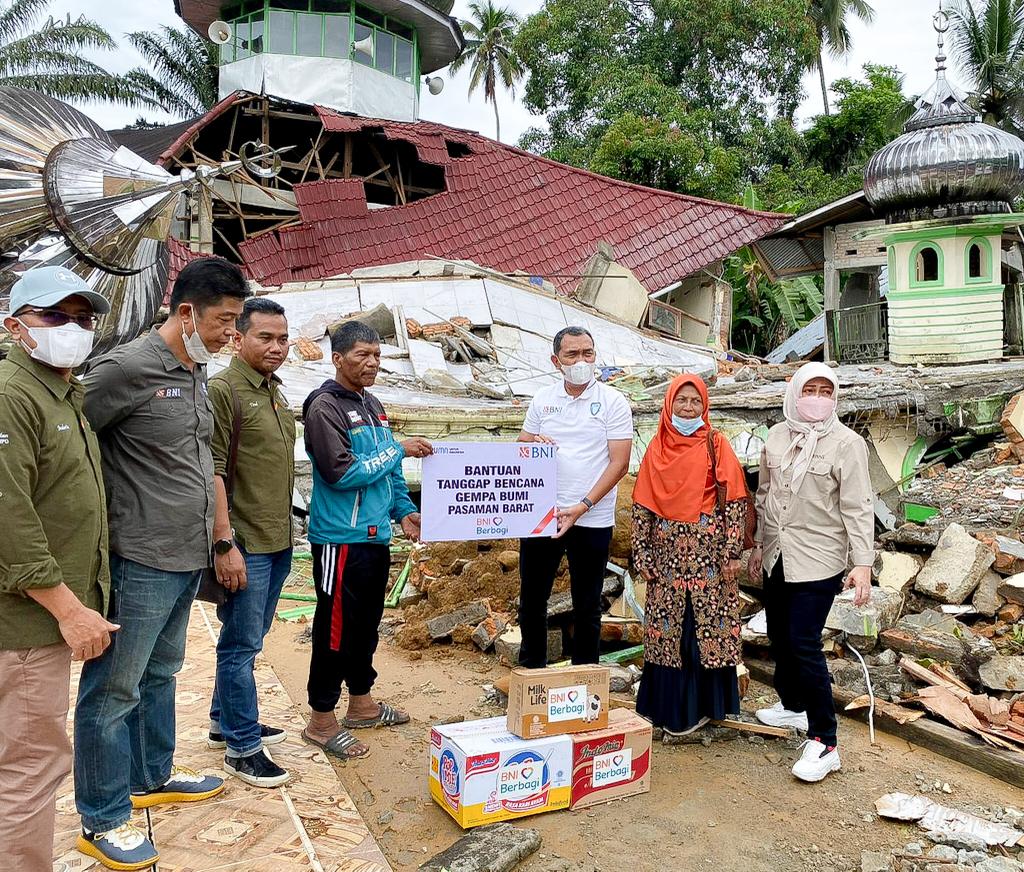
(503, 208)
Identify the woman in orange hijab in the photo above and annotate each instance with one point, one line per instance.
(688, 550)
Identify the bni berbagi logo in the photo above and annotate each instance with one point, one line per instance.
(524, 782)
(567, 703)
(612, 768)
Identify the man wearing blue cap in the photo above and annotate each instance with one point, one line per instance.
(54, 579)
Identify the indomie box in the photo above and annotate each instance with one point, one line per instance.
(480, 773)
(549, 702)
(611, 763)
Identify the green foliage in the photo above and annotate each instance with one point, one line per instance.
(765, 313)
(667, 92)
(183, 78)
(989, 43)
(869, 114)
(47, 56)
(489, 52)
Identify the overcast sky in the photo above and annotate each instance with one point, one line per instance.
(901, 35)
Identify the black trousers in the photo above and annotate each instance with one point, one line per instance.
(587, 549)
(796, 613)
(350, 583)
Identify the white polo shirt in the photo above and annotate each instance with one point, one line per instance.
(582, 427)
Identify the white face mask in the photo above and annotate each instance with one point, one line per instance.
(195, 348)
(60, 347)
(579, 373)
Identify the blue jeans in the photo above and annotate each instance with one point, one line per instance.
(245, 618)
(124, 721)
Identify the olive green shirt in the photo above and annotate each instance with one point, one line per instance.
(261, 512)
(51, 501)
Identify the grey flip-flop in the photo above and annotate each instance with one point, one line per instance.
(388, 716)
(339, 745)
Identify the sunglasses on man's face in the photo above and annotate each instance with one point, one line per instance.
(58, 318)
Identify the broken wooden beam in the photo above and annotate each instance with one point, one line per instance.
(760, 729)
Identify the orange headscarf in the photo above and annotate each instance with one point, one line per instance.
(674, 480)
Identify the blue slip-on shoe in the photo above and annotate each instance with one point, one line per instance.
(184, 785)
(125, 848)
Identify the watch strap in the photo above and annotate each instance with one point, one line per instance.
(587, 502)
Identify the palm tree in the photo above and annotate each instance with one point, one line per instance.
(990, 46)
(829, 18)
(183, 80)
(489, 50)
(48, 57)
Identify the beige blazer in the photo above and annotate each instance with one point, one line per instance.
(830, 523)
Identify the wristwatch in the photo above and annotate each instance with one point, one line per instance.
(223, 546)
(588, 503)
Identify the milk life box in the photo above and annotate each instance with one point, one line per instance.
(611, 763)
(549, 702)
(480, 773)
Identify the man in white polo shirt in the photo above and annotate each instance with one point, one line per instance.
(592, 425)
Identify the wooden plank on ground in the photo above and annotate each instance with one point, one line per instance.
(947, 741)
(760, 729)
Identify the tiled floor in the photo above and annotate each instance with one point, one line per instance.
(310, 824)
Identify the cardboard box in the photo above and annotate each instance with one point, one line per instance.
(611, 763)
(480, 773)
(552, 702)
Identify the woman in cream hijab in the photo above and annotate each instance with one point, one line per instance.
(815, 508)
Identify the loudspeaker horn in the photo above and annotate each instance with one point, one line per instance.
(364, 46)
(219, 32)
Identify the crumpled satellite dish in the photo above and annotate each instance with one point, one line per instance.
(70, 196)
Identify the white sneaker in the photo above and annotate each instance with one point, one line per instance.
(780, 716)
(816, 761)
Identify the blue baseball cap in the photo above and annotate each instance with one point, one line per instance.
(48, 285)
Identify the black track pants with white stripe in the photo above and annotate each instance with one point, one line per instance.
(350, 584)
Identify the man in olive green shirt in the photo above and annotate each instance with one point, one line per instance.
(252, 531)
(54, 579)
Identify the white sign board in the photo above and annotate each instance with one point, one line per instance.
(488, 490)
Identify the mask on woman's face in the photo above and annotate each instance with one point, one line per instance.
(687, 426)
(814, 410)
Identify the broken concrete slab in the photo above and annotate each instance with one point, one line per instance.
(441, 626)
(507, 645)
(488, 630)
(410, 595)
(1003, 672)
(955, 568)
(492, 848)
(862, 624)
(987, 600)
(623, 678)
(1012, 589)
(912, 536)
(896, 570)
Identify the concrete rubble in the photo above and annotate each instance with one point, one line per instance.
(492, 848)
(955, 568)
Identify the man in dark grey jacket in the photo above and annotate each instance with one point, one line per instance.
(148, 403)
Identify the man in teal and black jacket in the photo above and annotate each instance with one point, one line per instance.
(358, 490)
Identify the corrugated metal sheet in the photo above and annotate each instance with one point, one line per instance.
(802, 344)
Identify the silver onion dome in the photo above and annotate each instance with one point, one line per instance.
(947, 163)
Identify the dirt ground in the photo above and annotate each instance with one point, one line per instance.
(731, 806)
